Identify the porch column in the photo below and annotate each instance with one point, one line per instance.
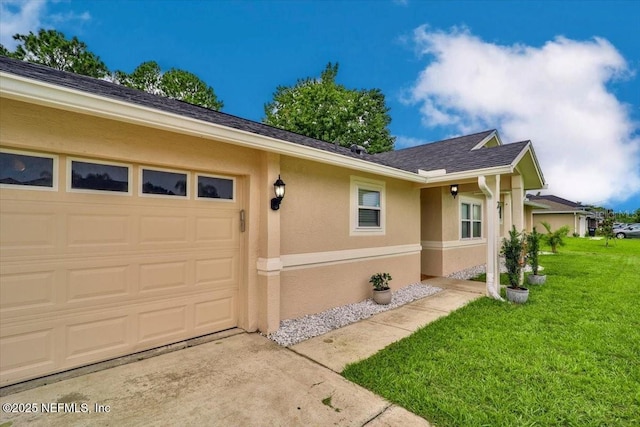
(490, 187)
(507, 216)
(269, 263)
(517, 201)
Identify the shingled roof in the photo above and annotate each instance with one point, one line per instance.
(123, 93)
(556, 203)
(453, 155)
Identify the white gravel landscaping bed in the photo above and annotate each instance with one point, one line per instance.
(293, 331)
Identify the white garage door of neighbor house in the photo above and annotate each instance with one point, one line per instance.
(101, 259)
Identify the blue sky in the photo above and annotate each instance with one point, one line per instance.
(563, 74)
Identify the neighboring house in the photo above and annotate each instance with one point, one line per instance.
(131, 221)
(559, 212)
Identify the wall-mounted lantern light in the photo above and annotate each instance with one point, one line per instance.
(278, 188)
(454, 190)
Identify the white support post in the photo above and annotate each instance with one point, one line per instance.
(491, 189)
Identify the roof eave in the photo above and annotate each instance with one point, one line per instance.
(538, 182)
(50, 95)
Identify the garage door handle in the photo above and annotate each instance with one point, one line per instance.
(242, 221)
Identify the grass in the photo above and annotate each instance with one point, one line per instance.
(570, 356)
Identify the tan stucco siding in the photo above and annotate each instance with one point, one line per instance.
(39, 128)
(315, 214)
(556, 221)
(460, 258)
(431, 220)
(313, 290)
(324, 263)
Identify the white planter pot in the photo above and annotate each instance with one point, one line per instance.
(519, 296)
(382, 297)
(537, 279)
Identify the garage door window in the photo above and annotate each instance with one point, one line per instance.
(93, 176)
(27, 170)
(215, 187)
(164, 183)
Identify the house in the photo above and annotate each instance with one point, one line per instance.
(559, 212)
(131, 221)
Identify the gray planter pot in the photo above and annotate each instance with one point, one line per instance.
(537, 279)
(519, 296)
(382, 297)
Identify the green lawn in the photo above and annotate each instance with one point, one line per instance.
(570, 356)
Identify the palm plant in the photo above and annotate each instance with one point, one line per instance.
(555, 238)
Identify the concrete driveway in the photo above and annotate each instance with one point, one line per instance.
(242, 380)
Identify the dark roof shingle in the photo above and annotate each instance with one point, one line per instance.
(453, 154)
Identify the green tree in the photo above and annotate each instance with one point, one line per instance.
(607, 227)
(175, 84)
(53, 49)
(322, 109)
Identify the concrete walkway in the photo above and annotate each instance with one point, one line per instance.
(242, 380)
(363, 339)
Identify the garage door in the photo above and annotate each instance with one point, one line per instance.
(102, 259)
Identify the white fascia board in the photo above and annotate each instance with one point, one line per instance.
(432, 173)
(487, 139)
(50, 95)
(529, 148)
(584, 213)
(469, 175)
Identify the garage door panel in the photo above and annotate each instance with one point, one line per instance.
(222, 230)
(162, 324)
(25, 291)
(95, 283)
(26, 353)
(164, 274)
(217, 272)
(101, 230)
(24, 231)
(215, 314)
(163, 229)
(86, 340)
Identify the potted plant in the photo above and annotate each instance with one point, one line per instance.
(514, 250)
(381, 289)
(533, 252)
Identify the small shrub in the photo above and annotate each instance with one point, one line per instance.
(514, 250)
(533, 250)
(380, 281)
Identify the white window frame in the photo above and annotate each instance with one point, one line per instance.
(211, 199)
(129, 167)
(54, 178)
(371, 185)
(471, 202)
(142, 168)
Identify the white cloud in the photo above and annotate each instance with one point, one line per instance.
(19, 17)
(555, 95)
(23, 16)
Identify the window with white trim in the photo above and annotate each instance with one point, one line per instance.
(27, 170)
(215, 187)
(471, 220)
(367, 206)
(164, 183)
(98, 176)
